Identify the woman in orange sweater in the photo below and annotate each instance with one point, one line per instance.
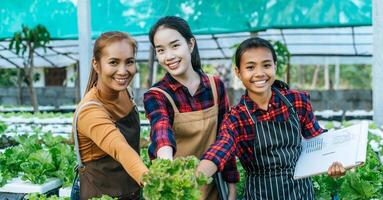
(106, 124)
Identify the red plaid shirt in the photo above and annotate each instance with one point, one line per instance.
(237, 132)
(161, 114)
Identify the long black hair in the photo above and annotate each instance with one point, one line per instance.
(180, 25)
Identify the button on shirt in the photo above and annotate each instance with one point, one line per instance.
(237, 131)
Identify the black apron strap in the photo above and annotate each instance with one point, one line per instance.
(285, 100)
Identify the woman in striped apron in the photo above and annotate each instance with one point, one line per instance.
(264, 130)
(186, 107)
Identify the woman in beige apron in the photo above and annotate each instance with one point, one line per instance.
(186, 106)
(106, 126)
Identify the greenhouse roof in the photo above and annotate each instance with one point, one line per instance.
(338, 31)
(307, 46)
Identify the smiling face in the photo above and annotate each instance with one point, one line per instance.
(173, 51)
(116, 67)
(257, 71)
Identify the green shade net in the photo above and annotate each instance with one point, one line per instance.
(204, 16)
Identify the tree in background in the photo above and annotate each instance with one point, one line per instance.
(283, 62)
(8, 77)
(28, 40)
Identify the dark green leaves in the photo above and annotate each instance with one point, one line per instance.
(29, 39)
(38, 157)
(364, 182)
(104, 197)
(36, 196)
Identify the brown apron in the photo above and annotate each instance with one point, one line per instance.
(106, 175)
(194, 132)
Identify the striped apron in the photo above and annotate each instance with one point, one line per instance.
(277, 146)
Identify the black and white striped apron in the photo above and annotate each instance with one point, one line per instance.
(277, 146)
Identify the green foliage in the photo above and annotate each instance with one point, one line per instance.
(376, 144)
(351, 76)
(364, 182)
(3, 127)
(38, 157)
(372, 125)
(104, 197)
(160, 72)
(144, 139)
(142, 116)
(241, 184)
(8, 77)
(40, 115)
(209, 69)
(29, 38)
(143, 70)
(356, 76)
(283, 57)
(4, 178)
(356, 188)
(329, 125)
(174, 180)
(36, 196)
(37, 167)
(145, 132)
(144, 156)
(326, 186)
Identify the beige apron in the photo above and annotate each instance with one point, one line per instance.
(195, 131)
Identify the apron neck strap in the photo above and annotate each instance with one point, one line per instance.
(213, 89)
(290, 107)
(168, 97)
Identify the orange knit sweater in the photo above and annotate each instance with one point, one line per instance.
(99, 136)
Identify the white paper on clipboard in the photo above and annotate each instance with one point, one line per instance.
(347, 145)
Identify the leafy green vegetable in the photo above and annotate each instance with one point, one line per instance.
(173, 180)
(144, 156)
(37, 167)
(104, 197)
(372, 125)
(3, 127)
(241, 184)
(329, 125)
(365, 182)
(6, 141)
(38, 157)
(40, 115)
(36, 196)
(357, 188)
